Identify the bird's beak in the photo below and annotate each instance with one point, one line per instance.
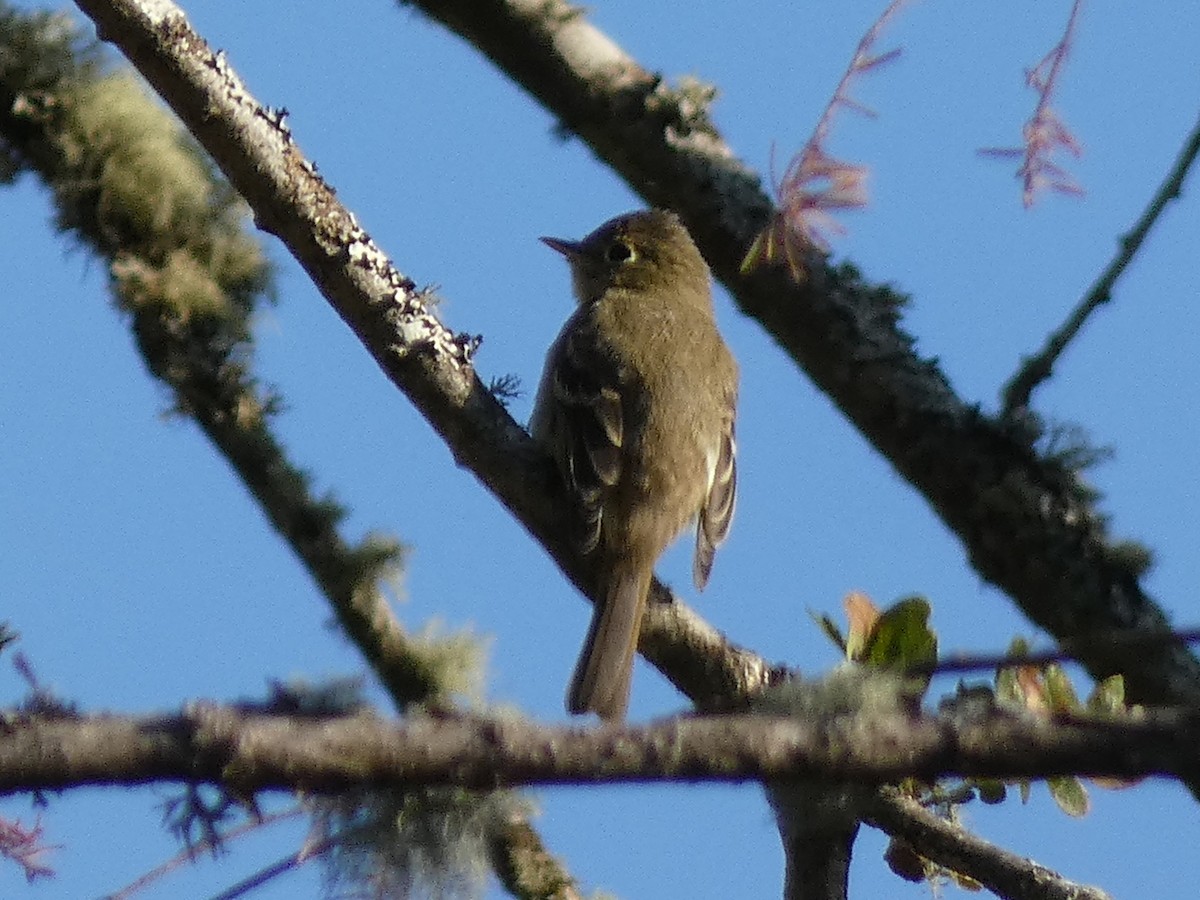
(569, 249)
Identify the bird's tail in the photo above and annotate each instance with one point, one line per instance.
(602, 675)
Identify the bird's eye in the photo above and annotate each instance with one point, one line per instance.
(619, 252)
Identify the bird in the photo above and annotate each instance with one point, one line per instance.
(636, 406)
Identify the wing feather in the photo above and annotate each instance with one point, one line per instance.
(587, 421)
(716, 514)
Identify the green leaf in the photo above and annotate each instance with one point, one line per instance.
(1008, 688)
(990, 790)
(902, 636)
(1019, 647)
(1059, 690)
(1068, 792)
(830, 628)
(1023, 786)
(1108, 699)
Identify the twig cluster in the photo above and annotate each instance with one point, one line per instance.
(1045, 133)
(816, 185)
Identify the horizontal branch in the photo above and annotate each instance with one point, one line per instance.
(249, 752)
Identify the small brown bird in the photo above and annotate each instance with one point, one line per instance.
(636, 406)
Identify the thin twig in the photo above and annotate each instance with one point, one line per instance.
(816, 185)
(187, 856)
(1069, 651)
(1045, 132)
(1036, 369)
(275, 869)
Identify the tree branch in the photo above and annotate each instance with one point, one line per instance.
(1069, 652)
(1037, 368)
(1003, 873)
(247, 751)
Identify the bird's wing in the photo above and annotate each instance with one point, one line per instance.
(589, 427)
(716, 514)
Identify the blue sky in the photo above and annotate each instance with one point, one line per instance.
(141, 575)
